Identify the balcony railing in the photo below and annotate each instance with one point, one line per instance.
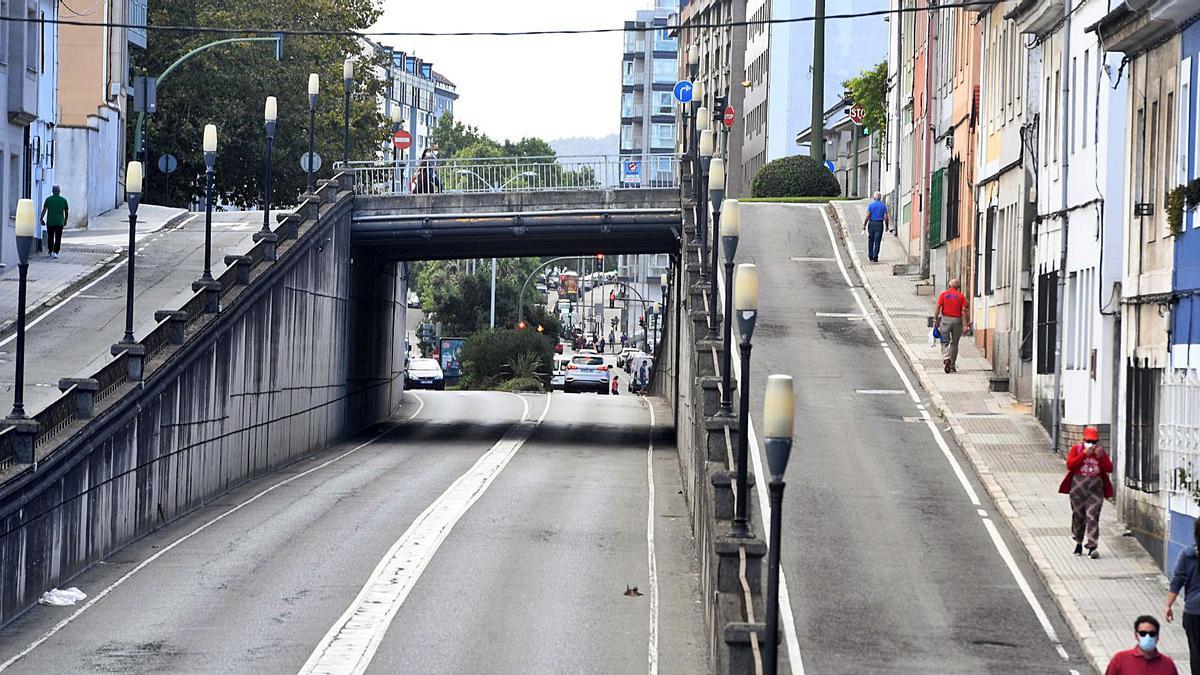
(137, 17)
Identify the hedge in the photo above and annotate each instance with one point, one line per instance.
(795, 176)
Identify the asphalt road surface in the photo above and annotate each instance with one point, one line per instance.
(483, 532)
(74, 337)
(890, 566)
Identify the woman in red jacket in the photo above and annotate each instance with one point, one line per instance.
(1088, 466)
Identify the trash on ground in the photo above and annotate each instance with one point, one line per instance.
(64, 597)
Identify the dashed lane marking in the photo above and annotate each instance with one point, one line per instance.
(652, 556)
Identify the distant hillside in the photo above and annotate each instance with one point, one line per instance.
(586, 145)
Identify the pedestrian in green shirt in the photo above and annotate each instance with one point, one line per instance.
(54, 216)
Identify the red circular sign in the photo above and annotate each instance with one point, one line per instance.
(729, 116)
(402, 140)
(858, 114)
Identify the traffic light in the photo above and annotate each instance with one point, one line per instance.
(521, 325)
(541, 329)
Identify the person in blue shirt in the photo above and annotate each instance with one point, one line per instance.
(1184, 580)
(875, 224)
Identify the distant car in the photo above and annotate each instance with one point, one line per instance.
(414, 301)
(635, 362)
(558, 378)
(587, 372)
(623, 357)
(424, 374)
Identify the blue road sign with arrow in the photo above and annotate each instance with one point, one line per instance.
(829, 165)
(683, 91)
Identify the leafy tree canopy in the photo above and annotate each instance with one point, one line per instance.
(869, 89)
(450, 293)
(228, 84)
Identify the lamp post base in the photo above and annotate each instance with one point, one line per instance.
(25, 431)
(270, 242)
(212, 294)
(135, 358)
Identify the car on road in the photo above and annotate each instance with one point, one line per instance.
(424, 374)
(635, 362)
(558, 377)
(624, 356)
(587, 372)
(414, 301)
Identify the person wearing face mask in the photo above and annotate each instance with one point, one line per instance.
(1144, 659)
(1184, 579)
(1087, 483)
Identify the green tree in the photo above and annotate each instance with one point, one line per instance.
(493, 356)
(452, 136)
(462, 301)
(227, 86)
(869, 89)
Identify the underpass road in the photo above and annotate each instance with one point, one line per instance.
(530, 578)
(890, 567)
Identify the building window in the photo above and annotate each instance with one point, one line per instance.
(952, 198)
(14, 183)
(1047, 321)
(1141, 456)
(627, 104)
(664, 103)
(629, 74)
(1087, 67)
(665, 71)
(626, 137)
(663, 136)
(664, 42)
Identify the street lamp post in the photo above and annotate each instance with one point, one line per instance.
(716, 189)
(397, 125)
(348, 87)
(706, 152)
(24, 226)
(745, 303)
(656, 310)
(211, 287)
(133, 196)
(314, 88)
(270, 115)
(778, 427)
(731, 227)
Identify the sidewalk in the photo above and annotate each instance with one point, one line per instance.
(1012, 455)
(86, 252)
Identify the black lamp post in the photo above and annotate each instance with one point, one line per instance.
(314, 88)
(210, 163)
(705, 146)
(778, 426)
(133, 196)
(348, 87)
(731, 227)
(270, 114)
(24, 225)
(655, 310)
(716, 191)
(745, 304)
(397, 125)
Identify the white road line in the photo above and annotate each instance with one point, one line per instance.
(352, 641)
(653, 560)
(166, 549)
(1001, 547)
(880, 392)
(839, 315)
(811, 259)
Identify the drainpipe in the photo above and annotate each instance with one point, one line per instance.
(1056, 414)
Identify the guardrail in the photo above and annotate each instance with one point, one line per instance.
(515, 174)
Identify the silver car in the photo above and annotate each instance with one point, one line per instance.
(587, 372)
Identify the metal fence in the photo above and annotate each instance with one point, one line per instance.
(1179, 432)
(515, 174)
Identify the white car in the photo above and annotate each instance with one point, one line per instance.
(424, 374)
(558, 378)
(413, 301)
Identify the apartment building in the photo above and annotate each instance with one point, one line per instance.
(649, 71)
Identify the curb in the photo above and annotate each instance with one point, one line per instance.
(54, 297)
(1093, 650)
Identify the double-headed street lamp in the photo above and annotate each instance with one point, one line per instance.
(745, 304)
(314, 88)
(705, 158)
(716, 191)
(397, 125)
(24, 225)
(731, 228)
(778, 426)
(133, 196)
(348, 87)
(270, 115)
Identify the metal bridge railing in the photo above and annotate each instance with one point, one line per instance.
(515, 174)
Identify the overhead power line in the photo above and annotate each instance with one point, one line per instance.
(287, 32)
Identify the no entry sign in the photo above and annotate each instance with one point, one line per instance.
(402, 140)
(730, 115)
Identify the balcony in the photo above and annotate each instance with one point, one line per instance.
(137, 17)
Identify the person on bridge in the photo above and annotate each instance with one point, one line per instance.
(875, 225)
(1184, 579)
(951, 317)
(1144, 658)
(55, 212)
(422, 182)
(433, 162)
(1087, 483)
(612, 299)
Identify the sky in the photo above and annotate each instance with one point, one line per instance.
(512, 87)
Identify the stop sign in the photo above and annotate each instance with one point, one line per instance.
(858, 114)
(729, 116)
(402, 140)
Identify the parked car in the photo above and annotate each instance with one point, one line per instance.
(623, 357)
(587, 372)
(635, 362)
(413, 300)
(424, 374)
(558, 377)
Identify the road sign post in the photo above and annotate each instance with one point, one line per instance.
(683, 91)
(730, 116)
(402, 140)
(858, 113)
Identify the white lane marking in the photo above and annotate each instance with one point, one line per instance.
(352, 641)
(839, 315)
(163, 551)
(786, 617)
(1001, 547)
(880, 392)
(982, 512)
(811, 259)
(653, 560)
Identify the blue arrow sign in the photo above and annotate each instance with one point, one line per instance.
(829, 165)
(683, 91)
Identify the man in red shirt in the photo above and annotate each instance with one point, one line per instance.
(1144, 659)
(950, 318)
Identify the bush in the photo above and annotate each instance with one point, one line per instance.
(489, 356)
(522, 384)
(795, 176)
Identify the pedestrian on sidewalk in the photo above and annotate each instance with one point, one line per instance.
(951, 319)
(1087, 483)
(601, 345)
(874, 225)
(1185, 580)
(1144, 659)
(55, 212)
(613, 388)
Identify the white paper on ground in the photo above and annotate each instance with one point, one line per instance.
(62, 597)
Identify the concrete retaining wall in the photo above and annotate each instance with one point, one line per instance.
(298, 357)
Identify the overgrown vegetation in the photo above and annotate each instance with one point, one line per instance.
(794, 176)
(493, 357)
(461, 300)
(1179, 198)
(869, 89)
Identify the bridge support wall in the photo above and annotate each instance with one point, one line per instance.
(300, 356)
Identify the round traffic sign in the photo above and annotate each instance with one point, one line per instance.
(683, 91)
(829, 166)
(402, 140)
(858, 113)
(315, 161)
(730, 115)
(167, 163)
